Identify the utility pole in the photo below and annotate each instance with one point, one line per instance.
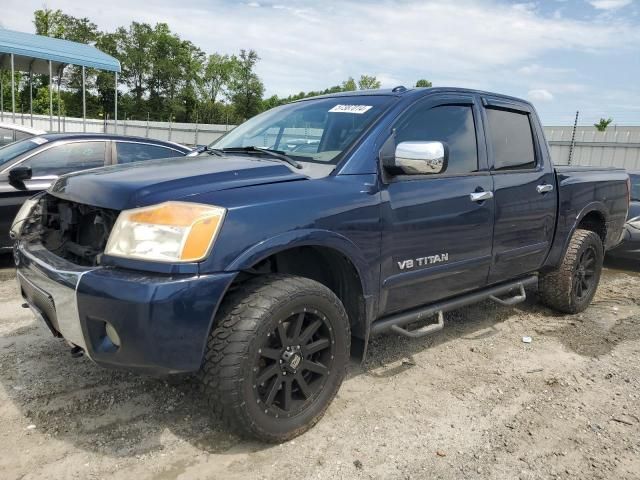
(573, 137)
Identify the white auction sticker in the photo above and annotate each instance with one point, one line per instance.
(359, 109)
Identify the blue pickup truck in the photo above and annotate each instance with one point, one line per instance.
(274, 255)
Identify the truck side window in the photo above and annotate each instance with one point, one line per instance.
(450, 124)
(511, 139)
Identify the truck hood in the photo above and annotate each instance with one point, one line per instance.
(121, 187)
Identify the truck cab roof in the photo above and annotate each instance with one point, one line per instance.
(416, 92)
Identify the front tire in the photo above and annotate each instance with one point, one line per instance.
(571, 287)
(276, 357)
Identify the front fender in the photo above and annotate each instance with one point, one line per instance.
(306, 238)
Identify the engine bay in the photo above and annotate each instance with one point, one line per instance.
(73, 231)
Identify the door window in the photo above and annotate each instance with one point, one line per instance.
(67, 158)
(511, 140)
(449, 124)
(135, 152)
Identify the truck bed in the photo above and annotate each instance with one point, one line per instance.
(595, 189)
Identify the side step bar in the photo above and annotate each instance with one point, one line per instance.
(396, 322)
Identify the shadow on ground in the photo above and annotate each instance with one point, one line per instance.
(622, 264)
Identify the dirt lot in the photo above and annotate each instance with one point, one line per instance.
(473, 401)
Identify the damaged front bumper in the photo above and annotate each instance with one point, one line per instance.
(151, 323)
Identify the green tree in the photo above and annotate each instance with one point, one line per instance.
(192, 76)
(349, 85)
(49, 22)
(424, 83)
(368, 82)
(41, 102)
(55, 23)
(245, 87)
(166, 76)
(602, 125)
(134, 47)
(217, 74)
(105, 81)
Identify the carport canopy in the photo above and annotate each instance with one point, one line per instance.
(32, 53)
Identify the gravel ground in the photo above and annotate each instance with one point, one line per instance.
(472, 401)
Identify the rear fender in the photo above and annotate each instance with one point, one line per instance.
(566, 228)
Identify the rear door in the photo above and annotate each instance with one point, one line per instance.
(436, 240)
(524, 188)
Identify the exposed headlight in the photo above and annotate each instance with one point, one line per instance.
(634, 222)
(23, 214)
(168, 232)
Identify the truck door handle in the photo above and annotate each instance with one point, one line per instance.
(544, 188)
(480, 196)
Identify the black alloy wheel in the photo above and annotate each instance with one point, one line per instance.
(293, 363)
(585, 273)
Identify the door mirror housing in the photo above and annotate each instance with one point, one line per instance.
(20, 174)
(417, 158)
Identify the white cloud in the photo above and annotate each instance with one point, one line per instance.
(309, 45)
(536, 69)
(609, 4)
(539, 95)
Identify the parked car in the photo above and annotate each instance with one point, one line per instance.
(630, 246)
(31, 165)
(10, 132)
(265, 269)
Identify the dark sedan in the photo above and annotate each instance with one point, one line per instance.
(630, 246)
(31, 165)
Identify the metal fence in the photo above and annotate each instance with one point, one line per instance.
(617, 146)
(184, 133)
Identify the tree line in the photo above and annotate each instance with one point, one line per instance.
(164, 78)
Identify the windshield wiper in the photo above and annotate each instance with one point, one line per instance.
(272, 153)
(209, 150)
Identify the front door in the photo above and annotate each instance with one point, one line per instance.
(437, 239)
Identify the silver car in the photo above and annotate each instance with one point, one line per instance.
(11, 132)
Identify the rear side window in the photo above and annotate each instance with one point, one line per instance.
(450, 124)
(136, 152)
(67, 158)
(22, 135)
(6, 136)
(511, 140)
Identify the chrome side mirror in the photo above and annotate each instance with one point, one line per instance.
(421, 158)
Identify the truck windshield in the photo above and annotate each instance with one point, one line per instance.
(11, 151)
(316, 131)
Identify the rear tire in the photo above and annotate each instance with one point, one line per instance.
(276, 357)
(571, 287)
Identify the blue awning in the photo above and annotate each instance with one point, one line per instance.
(33, 52)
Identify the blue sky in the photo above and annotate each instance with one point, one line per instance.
(564, 55)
